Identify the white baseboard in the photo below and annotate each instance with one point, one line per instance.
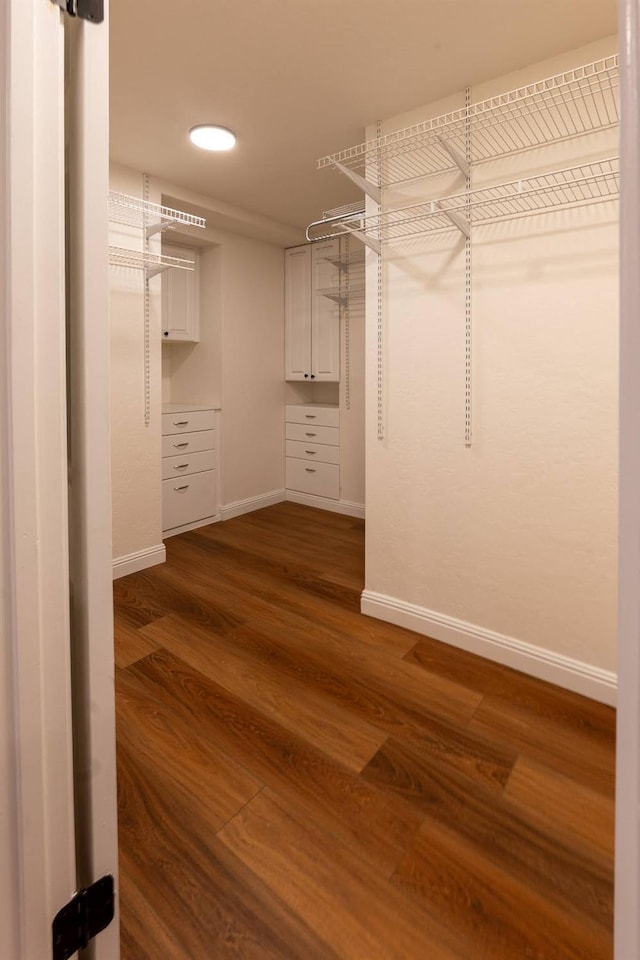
(190, 526)
(133, 562)
(323, 503)
(238, 507)
(538, 662)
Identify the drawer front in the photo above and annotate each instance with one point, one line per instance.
(321, 416)
(320, 452)
(189, 443)
(187, 422)
(309, 433)
(187, 499)
(183, 465)
(318, 479)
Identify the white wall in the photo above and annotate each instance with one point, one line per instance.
(135, 453)
(508, 547)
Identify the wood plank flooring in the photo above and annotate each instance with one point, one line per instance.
(297, 781)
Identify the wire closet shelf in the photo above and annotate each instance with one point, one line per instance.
(142, 259)
(558, 108)
(575, 186)
(142, 213)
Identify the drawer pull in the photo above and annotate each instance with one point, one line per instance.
(311, 434)
(180, 466)
(310, 469)
(180, 423)
(185, 486)
(311, 453)
(178, 445)
(310, 416)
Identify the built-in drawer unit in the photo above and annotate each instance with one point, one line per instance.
(313, 413)
(188, 467)
(309, 432)
(187, 499)
(187, 463)
(188, 443)
(188, 422)
(318, 479)
(313, 450)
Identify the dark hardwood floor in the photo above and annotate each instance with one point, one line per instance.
(298, 781)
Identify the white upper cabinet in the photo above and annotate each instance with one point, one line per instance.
(180, 301)
(312, 319)
(297, 273)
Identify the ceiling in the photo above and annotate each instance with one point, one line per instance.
(298, 79)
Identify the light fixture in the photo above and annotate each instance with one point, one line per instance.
(211, 137)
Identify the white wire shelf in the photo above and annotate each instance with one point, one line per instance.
(559, 108)
(561, 189)
(152, 263)
(153, 217)
(356, 291)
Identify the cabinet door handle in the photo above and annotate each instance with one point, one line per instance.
(180, 423)
(310, 434)
(311, 452)
(180, 466)
(179, 445)
(310, 416)
(185, 486)
(310, 469)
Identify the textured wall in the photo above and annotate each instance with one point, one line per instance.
(517, 534)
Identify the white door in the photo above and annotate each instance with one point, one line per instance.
(297, 315)
(54, 531)
(325, 311)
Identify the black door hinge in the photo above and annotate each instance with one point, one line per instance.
(89, 912)
(92, 10)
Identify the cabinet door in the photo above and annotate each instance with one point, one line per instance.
(297, 274)
(180, 307)
(325, 311)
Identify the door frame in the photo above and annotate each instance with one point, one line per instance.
(37, 674)
(41, 863)
(627, 868)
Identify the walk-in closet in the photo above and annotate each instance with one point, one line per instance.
(364, 465)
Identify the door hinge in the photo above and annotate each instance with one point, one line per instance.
(89, 912)
(92, 10)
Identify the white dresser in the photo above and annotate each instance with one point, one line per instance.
(313, 449)
(189, 489)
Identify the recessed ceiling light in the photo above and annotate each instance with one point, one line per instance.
(211, 137)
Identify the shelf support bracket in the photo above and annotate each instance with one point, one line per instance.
(151, 272)
(369, 188)
(363, 238)
(457, 219)
(456, 156)
(154, 228)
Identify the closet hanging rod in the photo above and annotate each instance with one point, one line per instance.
(561, 189)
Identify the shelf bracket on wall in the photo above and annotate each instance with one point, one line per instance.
(363, 238)
(457, 219)
(370, 189)
(456, 156)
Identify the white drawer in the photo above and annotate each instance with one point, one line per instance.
(321, 416)
(187, 422)
(187, 499)
(308, 432)
(319, 479)
(189, 443)
(186, 464)
(320, 452)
